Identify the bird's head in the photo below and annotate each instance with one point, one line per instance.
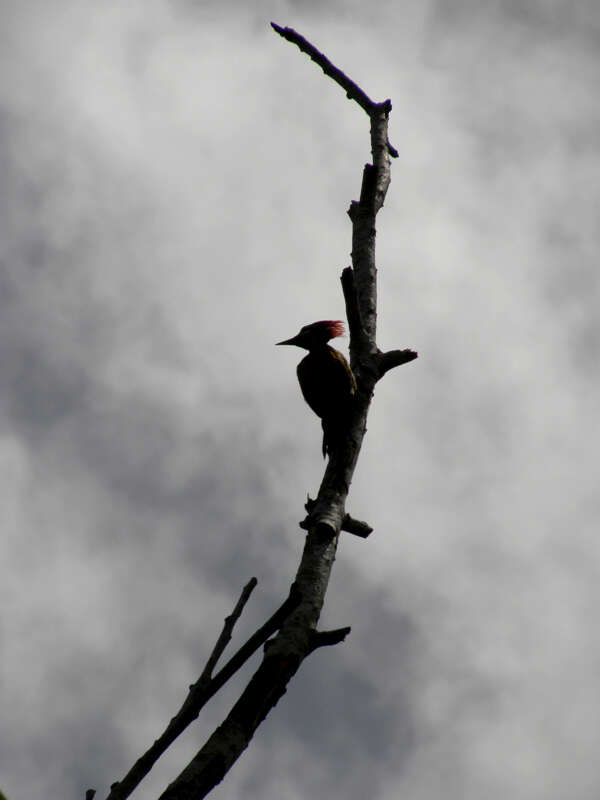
(317, 334)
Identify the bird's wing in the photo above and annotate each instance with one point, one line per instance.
(326, 381)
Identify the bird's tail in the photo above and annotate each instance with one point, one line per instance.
(334, 431)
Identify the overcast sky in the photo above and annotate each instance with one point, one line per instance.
(174, 180)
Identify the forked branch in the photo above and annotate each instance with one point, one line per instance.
(206, 686)
(298, 635)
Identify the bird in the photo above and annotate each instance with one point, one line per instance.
(326, 379)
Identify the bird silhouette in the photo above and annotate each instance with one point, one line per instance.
(326, 380)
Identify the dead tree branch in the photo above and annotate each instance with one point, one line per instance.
(298, 636)
(206, 686)
(353, 91)
(394, 358)
(328, 638)
(225, 636)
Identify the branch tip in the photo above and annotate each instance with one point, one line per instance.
(394, 358)
(328, 638)
(352, 90)
(225, 636)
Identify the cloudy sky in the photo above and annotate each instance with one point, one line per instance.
(174, 180)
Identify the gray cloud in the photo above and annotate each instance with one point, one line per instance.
(174, 185)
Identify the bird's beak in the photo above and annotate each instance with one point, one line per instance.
(288, 341)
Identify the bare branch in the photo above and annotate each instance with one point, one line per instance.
(356, 526)
(328, 638)
(353, 91)
(225, 636)
(363, 216)
(257, 639)
(281, 660)
(202, 691)
(352, 309)
(380, 151)
(368, 188)
(394, 358)
(297, 638)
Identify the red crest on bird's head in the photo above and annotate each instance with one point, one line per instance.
(334, 327)
(317, 333)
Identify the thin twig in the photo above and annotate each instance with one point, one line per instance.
(249, 648)
(353, 91)
(225, 636)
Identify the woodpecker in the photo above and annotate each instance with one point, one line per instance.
(325, 378)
